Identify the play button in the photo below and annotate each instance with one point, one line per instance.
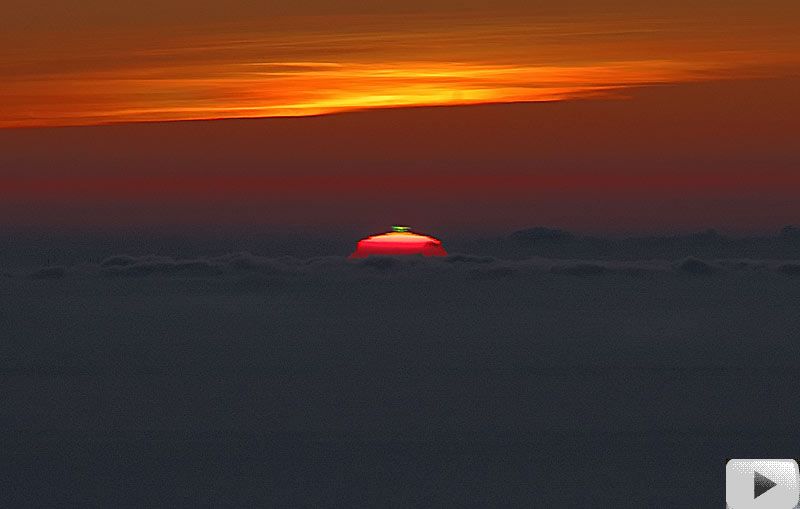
(762, 484)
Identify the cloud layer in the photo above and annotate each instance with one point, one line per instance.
(316, 67)
(261, 381)
(456, 265)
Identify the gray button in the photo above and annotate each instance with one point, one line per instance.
(762, 484)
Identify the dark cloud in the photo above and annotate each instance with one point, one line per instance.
(196, 268)
(744, 265)
(381, 263)
(695, 266)
(279, 252)
(119, 261)
(790, 269)
(310, 372)
(463, 258)
(492, 272)
(456, 266)
(130, 266)
(251, 263)
(790, 232)
(709, 244)
(49, 273)
(581, 269)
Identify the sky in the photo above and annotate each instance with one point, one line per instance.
(97, 65)
(599, 116)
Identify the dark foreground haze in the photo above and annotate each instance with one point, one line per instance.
(244, 380)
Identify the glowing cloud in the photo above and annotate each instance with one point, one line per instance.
(312, 66)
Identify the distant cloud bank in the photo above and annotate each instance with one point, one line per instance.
(457, 265)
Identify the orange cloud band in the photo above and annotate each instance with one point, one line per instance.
(314, 69)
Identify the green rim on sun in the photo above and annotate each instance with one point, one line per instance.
(401, 228)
